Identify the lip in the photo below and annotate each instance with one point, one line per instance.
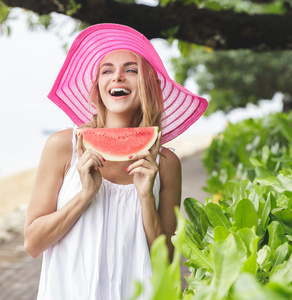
(119, 97)
(118, 87)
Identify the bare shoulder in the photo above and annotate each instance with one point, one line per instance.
(170, 159)
(170, 166)
(61, 140)
(58, 148)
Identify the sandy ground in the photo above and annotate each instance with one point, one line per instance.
(15, 189)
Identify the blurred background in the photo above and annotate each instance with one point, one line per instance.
(236, 53)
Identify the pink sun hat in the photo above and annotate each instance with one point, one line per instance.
(72, 87)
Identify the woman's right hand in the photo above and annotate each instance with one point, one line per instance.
(89, 162)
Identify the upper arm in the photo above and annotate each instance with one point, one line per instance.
(170, 191)
(54, 161)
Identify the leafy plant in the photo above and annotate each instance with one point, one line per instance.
(4, 15)
(246, 237)
(234, 78)
(250, 148)
(238, 248)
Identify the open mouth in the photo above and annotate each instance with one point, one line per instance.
(118, 92)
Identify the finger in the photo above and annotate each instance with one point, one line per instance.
(145, 171)
(142, 155)
(143, 163)
(95, 153)
(90, 155)
(89, 165)
(80, 148)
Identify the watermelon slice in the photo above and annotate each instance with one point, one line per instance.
(117, 144)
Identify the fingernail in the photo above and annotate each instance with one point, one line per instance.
(131, 156)
(103, 159)
(127, 168)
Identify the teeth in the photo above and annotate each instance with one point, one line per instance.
(117, 90)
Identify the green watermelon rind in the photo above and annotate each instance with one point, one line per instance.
(126, 135)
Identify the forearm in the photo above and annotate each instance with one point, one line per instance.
(151, 220)
(47, 230)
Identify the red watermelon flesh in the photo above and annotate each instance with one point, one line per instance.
(117, 144)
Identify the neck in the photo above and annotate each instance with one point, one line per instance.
(122, 121)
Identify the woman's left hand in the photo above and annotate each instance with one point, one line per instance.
(144, 170)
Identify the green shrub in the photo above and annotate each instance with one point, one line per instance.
(235, 153)
(238, 244)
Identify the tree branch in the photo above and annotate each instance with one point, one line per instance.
(216, 29)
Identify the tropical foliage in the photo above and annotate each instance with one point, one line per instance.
(234, 78)
(238, 245)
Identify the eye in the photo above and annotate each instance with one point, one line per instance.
(132, 70)
(106, 71)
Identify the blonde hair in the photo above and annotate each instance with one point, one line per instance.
(150, 95)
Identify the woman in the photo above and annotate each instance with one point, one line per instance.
(96, 220)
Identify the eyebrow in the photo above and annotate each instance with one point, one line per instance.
(125, 64)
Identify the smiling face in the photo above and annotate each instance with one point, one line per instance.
(118, 86)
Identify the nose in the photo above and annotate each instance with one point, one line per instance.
(118, 76)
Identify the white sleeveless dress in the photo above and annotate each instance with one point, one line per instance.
(105, 251)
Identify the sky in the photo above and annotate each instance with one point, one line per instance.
(30, 62)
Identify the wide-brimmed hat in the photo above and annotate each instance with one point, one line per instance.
(73, 84)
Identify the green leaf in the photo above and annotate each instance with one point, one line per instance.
(73, 7)
(196, 283)
(282, 273)
(245, 215)
(286, 182)
(265, 154)
(220, 233)
(264, 255)
(244, 189)
(200, 274)
(262, 172)
(163, 287)
(241, 247)
(279, 290)
(209, 236)
(269, 205)
(195, 210)
(271, 181)
(247, 287)
(216, 216)
(247, 244)
(281, 253)
(284, 215)
(255, 162)
(250, 240)
(195, 255)
(287, 229)
(159, 261)
(194, 235)
(137, 290)
(166, 278)
(250, 265)
(226, 264)
(276, 235)
(285, 129)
